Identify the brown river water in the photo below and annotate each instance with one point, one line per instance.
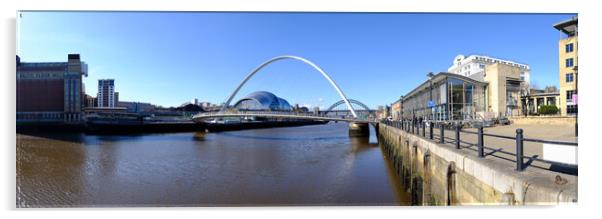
(308, 165)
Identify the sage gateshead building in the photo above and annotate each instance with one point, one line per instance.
(262, 101)
(444, 96)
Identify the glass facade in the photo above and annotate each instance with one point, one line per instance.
(263, 100)
(450, 97)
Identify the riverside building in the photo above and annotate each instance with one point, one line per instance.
(444, 96)
(51, 91)
(567, 60)
(474, 66)
(106, 93)
(495, 91)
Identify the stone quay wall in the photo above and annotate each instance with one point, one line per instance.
(437, 174)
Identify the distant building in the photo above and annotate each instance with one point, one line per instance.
(90, 101)
(51, 91)
(381, 112)
(136, 107)
(316, 110)
(116, 101)
(568, 60)
(474, 66)
(106, 93)
(396, 110)
(301, 109)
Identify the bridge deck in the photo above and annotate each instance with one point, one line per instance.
(203, 116)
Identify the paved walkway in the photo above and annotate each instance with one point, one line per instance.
(506, 148)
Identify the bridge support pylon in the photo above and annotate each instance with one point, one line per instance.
(359, 129)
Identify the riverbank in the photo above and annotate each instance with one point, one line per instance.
(138, 127)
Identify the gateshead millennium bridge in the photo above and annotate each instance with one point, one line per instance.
(357, 123)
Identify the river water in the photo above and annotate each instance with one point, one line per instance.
(308, 165)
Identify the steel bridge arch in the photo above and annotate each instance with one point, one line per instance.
(336, 87)
(338, 103)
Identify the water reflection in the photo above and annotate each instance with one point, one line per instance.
(309, 165)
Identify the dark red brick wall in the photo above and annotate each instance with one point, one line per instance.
(40, 95)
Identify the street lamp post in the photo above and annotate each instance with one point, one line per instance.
(576, 101)
(430, 76)
(401, 107)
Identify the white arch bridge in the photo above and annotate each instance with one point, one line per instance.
(225, 112)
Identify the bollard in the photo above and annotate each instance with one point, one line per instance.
(412, 126)
(441, 133)
(423, 129)
(457, 126)
(431, 130)
(480, 146)
(519, 150)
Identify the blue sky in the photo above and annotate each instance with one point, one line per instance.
(171, 58)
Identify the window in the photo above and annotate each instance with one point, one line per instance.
(568, 48)
(569, 62)
(571, 109)
(569, 95)
(569, 77)
(482, 66)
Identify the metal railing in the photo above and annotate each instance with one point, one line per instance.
(413, 128)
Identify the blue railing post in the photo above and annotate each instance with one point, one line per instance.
(480, 142)
(431, 130)
(519, 150)
(457, 126)
(441, 133)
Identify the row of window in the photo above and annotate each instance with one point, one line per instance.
(40, 75)
(500, 61)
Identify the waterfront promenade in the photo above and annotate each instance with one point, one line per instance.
(441, 174)
(505, 148)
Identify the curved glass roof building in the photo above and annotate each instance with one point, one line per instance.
(263, 100)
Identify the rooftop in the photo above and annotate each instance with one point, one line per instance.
(569, 26)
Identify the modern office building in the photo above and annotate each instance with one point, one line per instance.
(106, 93)
(474, 66)
(568, 60)
(445, 96)
(51, 91)
(452, 96)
